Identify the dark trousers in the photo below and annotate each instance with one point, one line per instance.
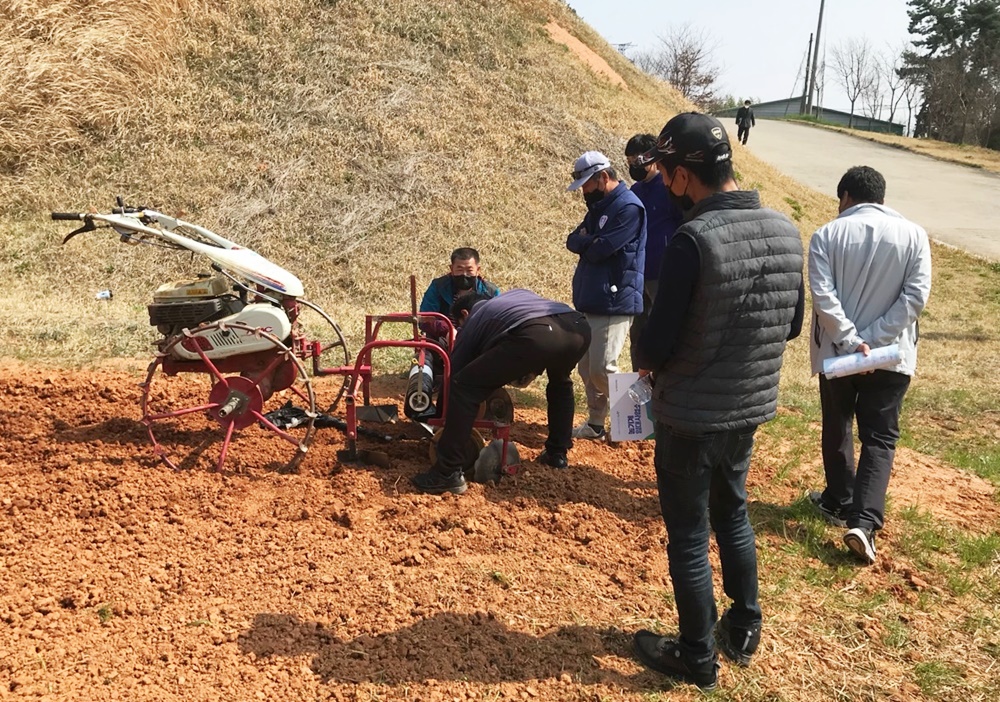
(702, 482)
(552, 344)
(639, 321)
(742, 133)
(875, 399)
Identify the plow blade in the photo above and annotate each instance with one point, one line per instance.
(489, 466)
(383, 414)
(364, 457)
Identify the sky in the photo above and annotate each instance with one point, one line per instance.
(760, 45)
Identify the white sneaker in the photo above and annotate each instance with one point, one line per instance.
(588, 431)
(862, 543)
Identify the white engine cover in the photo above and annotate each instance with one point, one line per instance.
(233, 342)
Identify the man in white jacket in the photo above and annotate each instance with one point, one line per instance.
(870, 274)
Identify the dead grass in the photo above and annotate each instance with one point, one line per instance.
(356, 142)
(73, 72)
(964, 154)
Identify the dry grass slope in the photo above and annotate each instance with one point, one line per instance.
(74, 72)
(354, 142)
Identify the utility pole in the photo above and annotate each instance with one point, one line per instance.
(812, 80)
(805, 88)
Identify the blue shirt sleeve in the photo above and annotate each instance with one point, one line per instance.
(431, 301)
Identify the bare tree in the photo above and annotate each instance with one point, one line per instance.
(684, 58)
(890, 66)
(872, 97)
(852, 65)
(911, 90)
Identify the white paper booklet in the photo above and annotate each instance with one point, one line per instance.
(629, 421)
(884, 357)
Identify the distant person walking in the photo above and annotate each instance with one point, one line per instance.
(607, 284)
(870, 274)
(662, 219)
(744, 120)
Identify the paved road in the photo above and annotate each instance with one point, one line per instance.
(956, 204)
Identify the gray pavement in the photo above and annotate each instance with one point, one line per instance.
(957, 205)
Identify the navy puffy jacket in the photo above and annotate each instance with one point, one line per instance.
(611, 243)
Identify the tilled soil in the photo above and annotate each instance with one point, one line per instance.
(123, 579)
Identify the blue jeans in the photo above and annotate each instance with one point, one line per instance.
(701, 480)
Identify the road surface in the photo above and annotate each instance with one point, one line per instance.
(957, 205)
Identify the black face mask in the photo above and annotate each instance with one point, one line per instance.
(684, 203)
(638, 173)
(461, 283)
(593, 197)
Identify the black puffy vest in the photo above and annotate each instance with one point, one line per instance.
(724, 373)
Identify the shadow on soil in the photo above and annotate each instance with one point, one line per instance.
(447, 646)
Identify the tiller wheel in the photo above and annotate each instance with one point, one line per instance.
(241, 390)
(319, 338)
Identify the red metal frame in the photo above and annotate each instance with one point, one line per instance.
(360, 374)
(260, 376)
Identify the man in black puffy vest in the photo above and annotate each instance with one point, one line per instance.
(731, 295)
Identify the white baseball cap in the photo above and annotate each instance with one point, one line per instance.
(585, 167)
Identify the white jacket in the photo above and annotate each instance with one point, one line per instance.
(870, 274)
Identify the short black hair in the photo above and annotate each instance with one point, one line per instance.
(464, 254)
(465, 302)
(863, 184)
(640, 144)
(712, 175)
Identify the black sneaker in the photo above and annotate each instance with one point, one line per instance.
(434, 483)
(834, 517)
(736, 643)
(862, 543)
(664, 655)
(553, 459)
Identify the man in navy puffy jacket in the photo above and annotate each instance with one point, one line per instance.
(608, 282)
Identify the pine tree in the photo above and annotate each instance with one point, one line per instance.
(956, 62)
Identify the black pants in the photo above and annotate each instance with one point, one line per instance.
(702, 482)
(742, 133)
(552, 344)
(875, 399)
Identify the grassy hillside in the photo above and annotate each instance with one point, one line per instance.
(353, 142)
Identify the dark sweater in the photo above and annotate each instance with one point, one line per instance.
(491, 319)
(662, 220)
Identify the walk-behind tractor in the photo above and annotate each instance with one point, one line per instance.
(257, 358)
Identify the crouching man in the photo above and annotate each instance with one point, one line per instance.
(464, 277)
(501, 341)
